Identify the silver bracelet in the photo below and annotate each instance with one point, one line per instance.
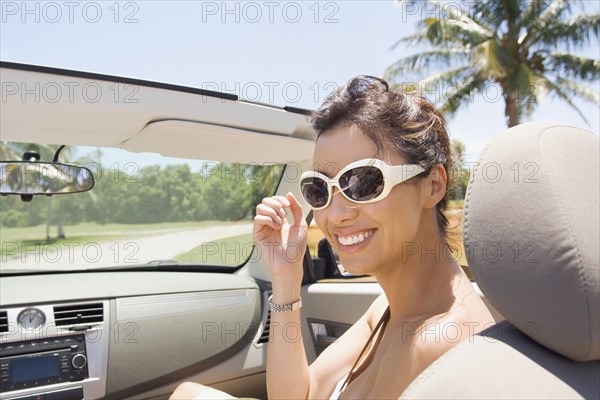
(284, 307)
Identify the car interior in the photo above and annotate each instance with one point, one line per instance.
(549, 344)
(137, 330)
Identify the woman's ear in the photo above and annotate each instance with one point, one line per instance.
(435, 189)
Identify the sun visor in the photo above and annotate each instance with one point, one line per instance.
(196, 140)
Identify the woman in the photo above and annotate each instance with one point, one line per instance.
(378, 191)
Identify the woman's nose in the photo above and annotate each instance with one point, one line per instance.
(340, 208)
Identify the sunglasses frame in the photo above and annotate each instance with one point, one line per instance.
(392, 176)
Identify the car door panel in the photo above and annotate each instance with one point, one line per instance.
(335, 302)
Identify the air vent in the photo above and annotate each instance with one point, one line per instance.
(264, 337)
(3, 321)
(78, 314)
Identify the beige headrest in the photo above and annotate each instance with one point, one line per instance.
(532, 234)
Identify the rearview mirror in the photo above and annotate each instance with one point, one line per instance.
(43, 178)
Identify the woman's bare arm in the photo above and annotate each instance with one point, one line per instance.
(288, 373)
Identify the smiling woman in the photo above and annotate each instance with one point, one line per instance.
(379, 188)
(388, 192)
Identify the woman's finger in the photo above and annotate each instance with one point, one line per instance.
(263, 209)
(277, 203)
(296, 209)
(263, 220)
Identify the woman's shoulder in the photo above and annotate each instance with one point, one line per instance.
(376, 311)
(467, 316)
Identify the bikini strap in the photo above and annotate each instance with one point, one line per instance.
(382, 322)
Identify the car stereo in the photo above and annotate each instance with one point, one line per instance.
(40, 362)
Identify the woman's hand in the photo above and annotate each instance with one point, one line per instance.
(282, 245)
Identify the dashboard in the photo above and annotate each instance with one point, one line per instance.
(97, 335)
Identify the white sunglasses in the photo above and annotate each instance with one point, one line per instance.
(363, 181)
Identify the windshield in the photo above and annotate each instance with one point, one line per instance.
(144, 208)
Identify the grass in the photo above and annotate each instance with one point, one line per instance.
(14, 240)
(231, 251)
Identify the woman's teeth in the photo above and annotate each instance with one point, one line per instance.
(354, 239)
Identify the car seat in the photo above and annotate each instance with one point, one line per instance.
(531, 230)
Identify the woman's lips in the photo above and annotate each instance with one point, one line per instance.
(354, 241)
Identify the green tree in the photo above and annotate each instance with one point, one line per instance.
(228, 193)
(461, 174)
(522, 46)
(263, 180)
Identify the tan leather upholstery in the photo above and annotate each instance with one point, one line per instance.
(532, 236)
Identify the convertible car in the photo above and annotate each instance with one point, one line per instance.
(127, 264)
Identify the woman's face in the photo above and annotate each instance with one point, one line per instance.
(367, 236)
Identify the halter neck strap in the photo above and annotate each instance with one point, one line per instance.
(380, 325)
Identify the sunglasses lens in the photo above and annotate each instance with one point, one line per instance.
(362, 183)
(314, 191)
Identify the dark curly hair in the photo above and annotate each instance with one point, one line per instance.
(402, 122)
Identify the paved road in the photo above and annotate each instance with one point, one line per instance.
(130, 251)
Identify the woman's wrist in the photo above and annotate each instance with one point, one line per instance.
(286, 287)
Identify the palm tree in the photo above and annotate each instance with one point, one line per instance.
(522, 46)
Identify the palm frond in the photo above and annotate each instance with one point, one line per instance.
(462, 94)
(573, 88)
(464, 19)
(490, 58)
(411, 40)
(531, 95)
(553, 12)
(573, 66)
(555, 89)
(448, 76)
(534, 11)
(477, 15)
(454, 32)
(575, 32)
(438, 87)
(492, 12)
(423, 61)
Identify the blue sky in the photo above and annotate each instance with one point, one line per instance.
(280, 52)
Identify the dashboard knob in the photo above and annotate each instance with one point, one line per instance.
(79, 361)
